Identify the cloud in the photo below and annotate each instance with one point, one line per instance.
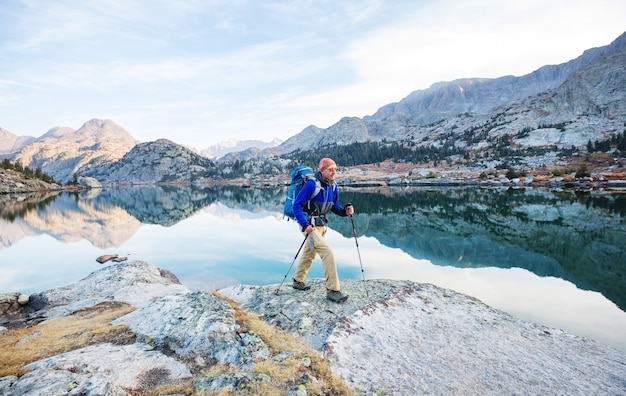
(447, 40)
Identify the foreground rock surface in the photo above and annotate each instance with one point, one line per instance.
(389, 338)
(410, 338)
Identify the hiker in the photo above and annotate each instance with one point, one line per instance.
(310, 213)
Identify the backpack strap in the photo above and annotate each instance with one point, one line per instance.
(318, 188)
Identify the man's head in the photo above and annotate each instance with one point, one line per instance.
(328, 168)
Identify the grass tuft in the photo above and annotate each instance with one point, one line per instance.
(88, 326)
(302, 366)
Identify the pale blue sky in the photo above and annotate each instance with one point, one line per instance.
(200, 72)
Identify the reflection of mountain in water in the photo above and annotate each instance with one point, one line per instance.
(13, 206)
(442, 248)
(168, 205)
(106, 218)
(575, 236)
(71, 219)
(109, 217)
(165, 206)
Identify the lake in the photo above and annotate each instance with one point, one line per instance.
(553, 257)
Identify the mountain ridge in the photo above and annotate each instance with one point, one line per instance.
(160, 161)
(469, 102)
(10, 142)
(225, 147)
(545, 78)
(62, 151)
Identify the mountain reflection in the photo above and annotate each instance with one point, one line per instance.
(68, 218)
(576, 236)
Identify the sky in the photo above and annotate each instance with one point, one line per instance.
(199, 72)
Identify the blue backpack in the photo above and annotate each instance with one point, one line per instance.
(299, 176)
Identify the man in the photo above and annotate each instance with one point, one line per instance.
(310, 213)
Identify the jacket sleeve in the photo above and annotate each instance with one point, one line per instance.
(301, 200)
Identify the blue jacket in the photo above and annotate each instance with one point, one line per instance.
(325, 201)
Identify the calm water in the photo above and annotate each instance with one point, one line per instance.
(552, 257)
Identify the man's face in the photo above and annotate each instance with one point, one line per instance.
(329, 173)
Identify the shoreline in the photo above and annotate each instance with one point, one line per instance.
(617, 186)
(386, 174)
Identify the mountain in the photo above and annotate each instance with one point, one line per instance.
(570, 103)
(161, 161)
(62, 151)
(233, 145)
(481, 95)
(10, 143)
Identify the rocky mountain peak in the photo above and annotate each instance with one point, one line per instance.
(221, 149)
(99, 127)
(6, 135)
(481, 95)
(597, 88)
(57, 133)
(161, 161)
(10, 143)
(63, 151)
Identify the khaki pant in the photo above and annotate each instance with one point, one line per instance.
(316, 243)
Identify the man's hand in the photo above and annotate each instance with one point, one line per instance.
(309, 229)
(349, 209)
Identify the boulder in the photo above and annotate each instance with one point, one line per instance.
(106, 257)
(135, 283)
(90, 182)
(12, 307)
(23, 299)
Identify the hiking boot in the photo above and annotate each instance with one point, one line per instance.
(336, 296)
(300, 285)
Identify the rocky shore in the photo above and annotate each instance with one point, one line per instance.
(132, 328)
(392, 174)
(12, 182)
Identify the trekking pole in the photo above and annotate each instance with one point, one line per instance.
(359, 252)
(294, 260)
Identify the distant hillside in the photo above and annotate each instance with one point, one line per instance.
(161, 161)
(482, 95)
(233, 145)
(62, 151)
(10, 143)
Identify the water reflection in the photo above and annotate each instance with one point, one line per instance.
(575, 236)
(520, 250)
